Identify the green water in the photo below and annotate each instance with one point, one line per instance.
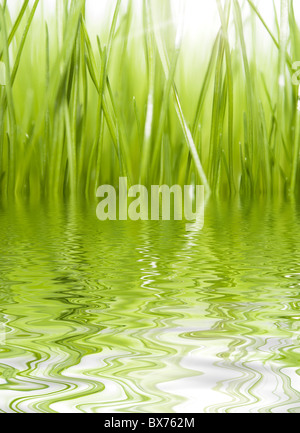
(145, 317)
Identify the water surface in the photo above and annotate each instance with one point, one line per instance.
(145, 317)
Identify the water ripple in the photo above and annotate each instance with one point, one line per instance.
(145, 317)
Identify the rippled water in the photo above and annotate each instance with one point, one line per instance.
(145, 317)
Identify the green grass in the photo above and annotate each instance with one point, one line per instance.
(78, 110)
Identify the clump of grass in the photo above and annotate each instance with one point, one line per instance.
(78, 110)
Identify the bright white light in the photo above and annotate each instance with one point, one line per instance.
(200, 16)
(281, 80)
